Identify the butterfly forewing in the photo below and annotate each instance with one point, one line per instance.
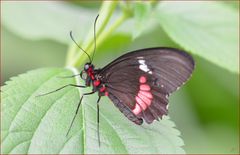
(142, 80)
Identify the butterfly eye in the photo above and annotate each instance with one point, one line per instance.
(86, 66)
(83, 75)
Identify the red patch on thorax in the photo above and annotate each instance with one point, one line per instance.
(106, 93)
(91, 73)
(102, 89)
(96, 83)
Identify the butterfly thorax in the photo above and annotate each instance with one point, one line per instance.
(94, 79)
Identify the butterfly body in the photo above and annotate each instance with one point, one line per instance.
(92, 78)
(139, 82)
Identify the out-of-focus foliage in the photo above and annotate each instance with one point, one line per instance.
(205, 110)
(53, 23)
(200, 27)
(196, 26)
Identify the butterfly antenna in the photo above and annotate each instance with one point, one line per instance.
(94, 30)
(80, 46)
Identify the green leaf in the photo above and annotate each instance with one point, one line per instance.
(207, 29)
(141, 12)
(208, 112)
(46, 20)
(232, 4)
(33, 124)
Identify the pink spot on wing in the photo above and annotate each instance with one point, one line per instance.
(144, 87)
(142, 79)
(145, 99)
(141, 103)
(136, 109)
(144, 96)
(146, 93)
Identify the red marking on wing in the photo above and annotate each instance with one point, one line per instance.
(142, 79)
(144, 96)
(146, 93)
(136, 109)
(145, 99)
(141, 102)
(145, 87)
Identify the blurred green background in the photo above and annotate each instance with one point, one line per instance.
(205, 110)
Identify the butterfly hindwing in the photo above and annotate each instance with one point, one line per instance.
(125, 110)
(142, 80)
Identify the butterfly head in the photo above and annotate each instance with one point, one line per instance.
(87, 66)
(88, 73)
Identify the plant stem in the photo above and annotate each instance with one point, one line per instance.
(74, 53)
(79, 59)
(112, 28)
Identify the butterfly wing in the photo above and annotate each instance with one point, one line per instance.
(140, 82)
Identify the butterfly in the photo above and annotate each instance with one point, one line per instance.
(138, 83)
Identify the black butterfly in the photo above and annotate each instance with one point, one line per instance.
(139, 82)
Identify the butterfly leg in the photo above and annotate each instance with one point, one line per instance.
(70, 76)
(71, 85)
(77, 110)
(99, 97)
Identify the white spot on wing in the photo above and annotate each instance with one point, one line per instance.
(142, 62)
(167, 106)
(144, 67)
